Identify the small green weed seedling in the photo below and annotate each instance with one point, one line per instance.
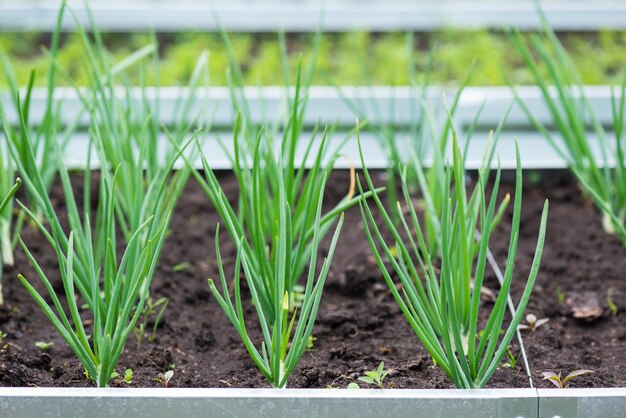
(311, 342)
(45, 346)
(336, 383)
(609, 301)
(185, 265)
(128, 376)
(511, 359)
(164, 378)
(376, 377)
(562, 383)
(154, 309)
(532, 323)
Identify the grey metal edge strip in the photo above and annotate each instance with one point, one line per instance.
(598, 402)
(307, 16)
(380, 105)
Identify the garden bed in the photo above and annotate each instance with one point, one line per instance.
(359, 324)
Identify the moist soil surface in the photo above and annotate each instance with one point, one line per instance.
(359, 324)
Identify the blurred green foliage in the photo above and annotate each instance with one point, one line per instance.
(353, 58)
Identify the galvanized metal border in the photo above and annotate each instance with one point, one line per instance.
(380, 104)
(588, 403)
(308, 16)
(394, 106)
(397, 403)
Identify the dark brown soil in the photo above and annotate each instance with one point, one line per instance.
(359, 324)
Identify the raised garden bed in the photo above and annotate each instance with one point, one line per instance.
(270, 266)
(359, 324)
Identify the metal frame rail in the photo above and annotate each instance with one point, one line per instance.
(305, 16)
(394, 107)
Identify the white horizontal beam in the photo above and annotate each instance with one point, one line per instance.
(395, 107)
(306, 15)
(363, 403)
(379, 105)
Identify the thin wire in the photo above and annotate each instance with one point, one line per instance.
(498, 273)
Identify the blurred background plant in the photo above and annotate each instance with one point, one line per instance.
(599, 55)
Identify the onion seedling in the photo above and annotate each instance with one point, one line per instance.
(6, 215)
(430, 180)
(8, 187)
(434, 188)
(126, 134)
(255, 146)
(113, 289)
(134, 156)
(127, 131)
(571, 111)
(50, 136)
(387, 133)
(151, 308)
(43, 140)
(277, 227)
(270, 272)
(259, 174)
(442, 304)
